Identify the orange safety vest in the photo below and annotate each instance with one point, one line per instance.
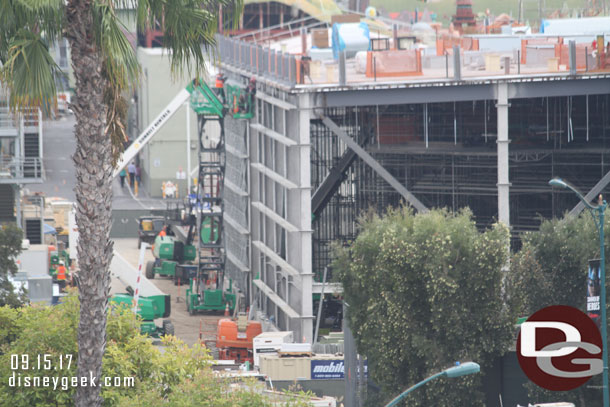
(162, 233)
(61, 273)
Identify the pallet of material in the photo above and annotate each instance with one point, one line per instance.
(295, 349)
(294, 354)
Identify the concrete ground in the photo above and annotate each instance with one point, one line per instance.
(186, 327)
(59, 145)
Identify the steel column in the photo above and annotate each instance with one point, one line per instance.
(503, 166)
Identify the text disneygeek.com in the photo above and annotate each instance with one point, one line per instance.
(22, 364)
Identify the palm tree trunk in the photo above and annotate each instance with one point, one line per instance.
(93, 162)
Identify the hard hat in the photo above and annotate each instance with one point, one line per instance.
(61, 263)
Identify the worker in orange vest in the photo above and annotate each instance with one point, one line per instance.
(162, 233)
(61, 275)
(219, 87)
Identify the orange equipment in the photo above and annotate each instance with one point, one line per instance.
(234, 339)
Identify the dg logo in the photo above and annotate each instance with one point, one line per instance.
(559, 348)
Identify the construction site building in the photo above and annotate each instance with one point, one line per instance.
(452, 127)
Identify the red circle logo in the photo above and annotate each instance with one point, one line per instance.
(559, 348)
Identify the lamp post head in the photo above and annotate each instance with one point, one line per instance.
(463, 369)
(558, 182)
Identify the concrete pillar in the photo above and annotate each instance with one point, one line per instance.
(17, 196)
(502, 106)
(572, 50)
(457, 63)
(342, 71)
(304, 41)
(305, 224)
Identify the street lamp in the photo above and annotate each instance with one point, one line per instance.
(597, 213)
(455, 371)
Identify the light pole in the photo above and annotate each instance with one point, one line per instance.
(455, 371)
(597, 213)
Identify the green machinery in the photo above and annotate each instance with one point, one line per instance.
(57, 256)
(207, 289)
(148, 228)
(149, 309)
(231, 99)
(173, 259)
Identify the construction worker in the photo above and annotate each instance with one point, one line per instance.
(162, 233)
(61, 276)
(219, 87)
(250, 94)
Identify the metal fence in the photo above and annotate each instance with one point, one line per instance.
(20, 168)
(254, 59)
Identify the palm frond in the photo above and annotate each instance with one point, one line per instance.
(29, 71)
(188, 28)
(121, 64)
(115, 121)
(39, 16)
(44, 16)
(7, 22)
(234, 8)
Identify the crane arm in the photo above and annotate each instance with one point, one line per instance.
(139, 143)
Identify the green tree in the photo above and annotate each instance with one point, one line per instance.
(425, 291)
(176, 376)
(550, 269)
(10, 248)
(104, 65)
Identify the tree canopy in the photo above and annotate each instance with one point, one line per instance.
(425, 291)
(10, 248)
(550, 269)
(177, 375)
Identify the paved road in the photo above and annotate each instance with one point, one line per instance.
(59, 145)
(186, 326)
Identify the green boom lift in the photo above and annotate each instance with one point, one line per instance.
(207, 291)
(173, 259)
(149, 309)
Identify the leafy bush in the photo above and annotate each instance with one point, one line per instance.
(425, 291)
(174, 376)
(550, 269)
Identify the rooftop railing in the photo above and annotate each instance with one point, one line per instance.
(31, 118)
(256, 60)
(451, 60)
(14, 169)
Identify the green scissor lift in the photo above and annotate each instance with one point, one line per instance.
(206, 291)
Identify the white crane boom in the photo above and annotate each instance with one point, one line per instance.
(151, 130)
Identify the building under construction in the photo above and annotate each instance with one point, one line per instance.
(461, 127)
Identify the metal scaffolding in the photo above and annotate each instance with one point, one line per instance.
(456, 165)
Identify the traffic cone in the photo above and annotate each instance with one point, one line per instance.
(227, 310)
